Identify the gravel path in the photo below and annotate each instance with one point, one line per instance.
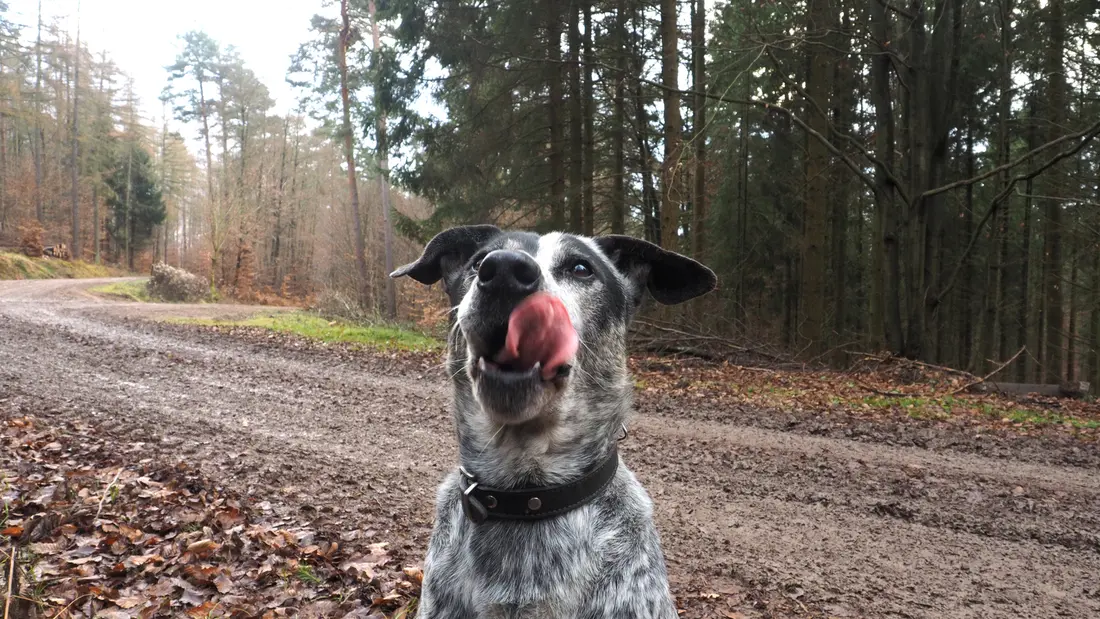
(756, 520)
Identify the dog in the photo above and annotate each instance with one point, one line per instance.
(542, 520)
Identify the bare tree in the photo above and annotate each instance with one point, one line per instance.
(349, 152)
(699, 128)
(670, 70)
(76, 141)
(384, 166)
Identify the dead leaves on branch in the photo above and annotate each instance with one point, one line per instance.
(168, 542)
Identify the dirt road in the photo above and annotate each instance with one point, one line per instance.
(757, 518)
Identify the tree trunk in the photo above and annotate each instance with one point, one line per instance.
(966, 309)
(816, 203)
(576, 139)
(553, 111)
(743, 212)
(129, 247)
(77, 255)
(277, 236)
(384, 165)
(39, 136)
(885, 305)
(349, 154)
(1053, 66)
(1071, 330)
(651, 222)
(844, 87)
(95, 222)
(1004, 155)
(3, 165)
(699, 129)
(1028, 329)
(163, 181)
(670, 175)
(588, 220)
(618, 120)
(985, 355)
(210, 195)
(1094, 357)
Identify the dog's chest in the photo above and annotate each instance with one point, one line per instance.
(532, 570)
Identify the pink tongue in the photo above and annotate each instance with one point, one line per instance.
(539, 331)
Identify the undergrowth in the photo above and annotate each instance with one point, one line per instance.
(18, 266)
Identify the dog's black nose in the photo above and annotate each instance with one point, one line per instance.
(508, 272)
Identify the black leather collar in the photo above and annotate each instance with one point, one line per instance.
(481, 503)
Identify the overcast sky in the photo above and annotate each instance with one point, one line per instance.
(141, 36)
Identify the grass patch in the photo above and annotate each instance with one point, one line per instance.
(1039, 418)
(131, 291)
(941, 408)
(18, 266)
(314, 327)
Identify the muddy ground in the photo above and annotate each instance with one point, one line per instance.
(762, 513)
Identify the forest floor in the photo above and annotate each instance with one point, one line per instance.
(777, 494)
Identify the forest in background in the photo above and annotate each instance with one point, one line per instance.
(919, 177)
(269, 220)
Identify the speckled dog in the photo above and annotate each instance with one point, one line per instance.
(541, 520)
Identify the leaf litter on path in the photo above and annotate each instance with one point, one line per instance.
(101, 533)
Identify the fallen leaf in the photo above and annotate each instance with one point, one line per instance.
(130, 601)
(223, 584)
(202, 610)
(203, 548)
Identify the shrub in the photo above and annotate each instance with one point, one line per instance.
(172, 284)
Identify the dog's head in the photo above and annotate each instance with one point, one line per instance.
(536, 316)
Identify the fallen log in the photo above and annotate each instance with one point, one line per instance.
(1075, 389)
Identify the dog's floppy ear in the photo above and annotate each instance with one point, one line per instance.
(449, 249)
(670, 277)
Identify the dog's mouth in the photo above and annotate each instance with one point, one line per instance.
(512, 365)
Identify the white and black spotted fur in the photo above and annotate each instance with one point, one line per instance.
(603, 559)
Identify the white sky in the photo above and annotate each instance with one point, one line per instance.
(140, 36)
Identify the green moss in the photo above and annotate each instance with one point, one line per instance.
(1019, 415)
(315, 327)
(131, 291)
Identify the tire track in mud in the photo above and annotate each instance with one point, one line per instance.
(838, 527)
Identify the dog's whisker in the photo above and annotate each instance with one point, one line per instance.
(491, 438)
(593, 378)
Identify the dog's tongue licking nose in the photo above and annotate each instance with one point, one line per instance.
(539, 331)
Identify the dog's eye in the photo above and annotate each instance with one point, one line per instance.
(581, 269)
(476, 264)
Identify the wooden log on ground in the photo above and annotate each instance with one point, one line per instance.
(1075, 389)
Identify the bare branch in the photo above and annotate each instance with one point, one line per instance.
(897, 9)
(834, 130)
(1088, 134)
(1000, 197)
(991, 374)
(1080, 201)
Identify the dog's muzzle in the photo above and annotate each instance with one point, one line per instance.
(521, 339)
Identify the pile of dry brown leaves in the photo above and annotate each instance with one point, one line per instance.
(96, 533)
